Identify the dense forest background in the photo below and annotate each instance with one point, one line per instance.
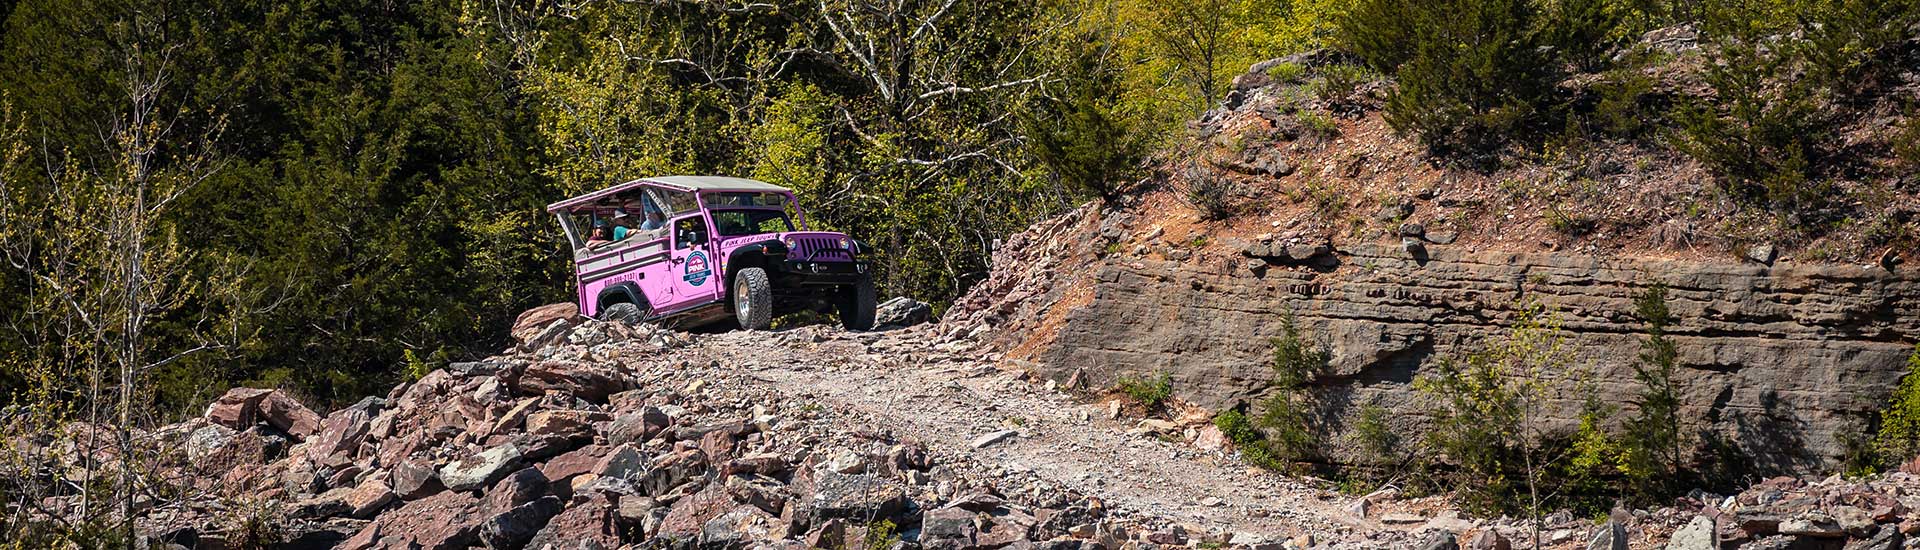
(323, 196)
(326, 196)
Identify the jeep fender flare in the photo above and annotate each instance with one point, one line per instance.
(622, 292)
(753, 255)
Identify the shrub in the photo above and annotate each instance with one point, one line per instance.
(1151, 392)
(1572, 224)
(1253, 445)
(1851, 46)
(1651, 452)
(1287, 73)
(1208, 192)
(1760, 130)
(1619, 111)
(1284, 415)
(1083, 137)
(1486, 416)
(1906, 143)
(1469, 71)
(1321, 125)
(1898, 438)
(1338, 84)
(1373, 438)
(1583, 32)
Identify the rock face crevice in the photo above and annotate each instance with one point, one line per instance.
(1779, 361)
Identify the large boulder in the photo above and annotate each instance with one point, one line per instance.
(589, 523)
(689, 516)
(902, 311)
(340, 437)
(481, 469)
(532, 324)
(446, 521)
(837, 495)
(589, 382)
(514, 527)
(242, 408)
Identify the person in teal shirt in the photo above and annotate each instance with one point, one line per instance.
(620, 221)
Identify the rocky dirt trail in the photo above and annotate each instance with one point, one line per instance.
(594, 435)
(951, 396)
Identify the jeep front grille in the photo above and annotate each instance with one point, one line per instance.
(820, 249)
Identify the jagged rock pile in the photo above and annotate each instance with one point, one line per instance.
(589, 441)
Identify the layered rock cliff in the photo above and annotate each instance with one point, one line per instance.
(1782, 361)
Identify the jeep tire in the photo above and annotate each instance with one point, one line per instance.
(857, 304)
(752, 299)
(624, 312)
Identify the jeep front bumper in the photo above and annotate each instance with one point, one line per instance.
(835, 273)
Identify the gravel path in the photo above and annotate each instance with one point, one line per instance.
(948, 396)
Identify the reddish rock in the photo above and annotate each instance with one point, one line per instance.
(579, 461)
(592, 383)
(718, 445)
(518, 488)
(563, 422)
(587, 524)
(737, 528)
(831, 535)
(690, 514)
(531, 323)
(514, 527)
(241, 408)
(765, 464)
(514, 417)
(481, 469)
(625, 462)
(369, 498)
(446, 521)
(413, 480)
(636, 427)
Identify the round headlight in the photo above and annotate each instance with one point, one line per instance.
(789, 242)
(846, 243)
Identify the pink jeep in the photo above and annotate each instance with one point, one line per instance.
(695, 250)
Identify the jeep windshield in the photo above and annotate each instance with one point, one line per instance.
(750, 221)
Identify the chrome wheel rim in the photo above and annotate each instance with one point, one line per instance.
(741, 303)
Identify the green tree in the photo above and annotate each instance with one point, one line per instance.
(1469, 72)
(1898, 438)
(1652, 450)
(1488, 419)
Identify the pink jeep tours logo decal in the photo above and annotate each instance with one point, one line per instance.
(697, 271)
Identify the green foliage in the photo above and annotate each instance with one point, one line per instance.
(1486, 414)
(1284, 415)
(1584, 32)
(1319, 124)
(1898, 438)
(1338, 84)
(1761, 130)
(1651, 453)
(414, 368)
(1374, 438)
(1470, 72)
(1572, 224)
(1620, 111)
(1207, 191)
(1296, 359)
(1151, 392)
(1287, 73)
(1906, 143)
(881, 535)
(1084, 138)
(1254, 446)
(1852, 46)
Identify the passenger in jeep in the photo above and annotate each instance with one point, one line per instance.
(601, 236)
(621, 221)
